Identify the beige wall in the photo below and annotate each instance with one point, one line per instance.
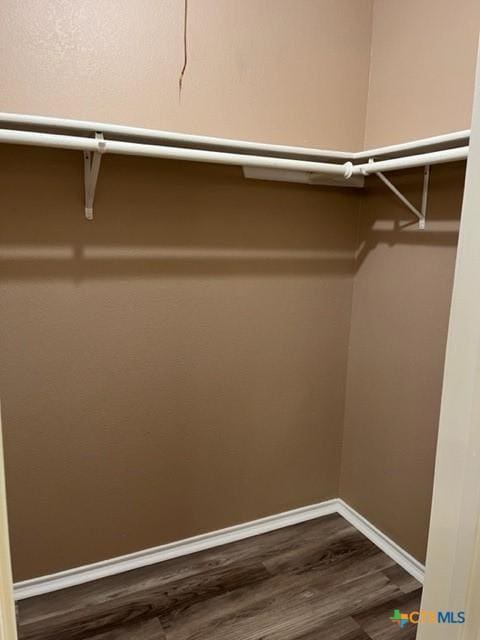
(338, 74)
(268, 70)
(422, 69)
(401, 301)
(177, 365)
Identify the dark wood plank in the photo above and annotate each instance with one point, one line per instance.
(402, 579)
(344, 629)
(277, 609)
(351, 553)
(166, 574)
(151, 630)
(153, 599)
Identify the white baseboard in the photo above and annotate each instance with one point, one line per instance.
(382, 541)
(88, 573)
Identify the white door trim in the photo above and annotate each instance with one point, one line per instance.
(450, 582)
(8, 628)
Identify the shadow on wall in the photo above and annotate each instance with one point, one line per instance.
(173, 367)
(182, 219)
(398, 333)
(386, 221)
(178, 365)
(165, 218)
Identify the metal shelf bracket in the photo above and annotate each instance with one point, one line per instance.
(91, 165)
(420, 214)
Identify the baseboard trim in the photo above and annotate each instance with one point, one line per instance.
(88, 573)
(382, 541)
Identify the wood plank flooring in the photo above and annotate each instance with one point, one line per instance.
(320, 580)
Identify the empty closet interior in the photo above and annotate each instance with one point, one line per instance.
(212, 349)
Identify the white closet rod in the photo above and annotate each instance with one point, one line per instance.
(172, 153)
(171, 138)
(192, 141)
(262, 161)
(345, 170)
(434, 143)
(418, 160)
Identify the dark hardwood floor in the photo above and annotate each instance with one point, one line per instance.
(320, 580)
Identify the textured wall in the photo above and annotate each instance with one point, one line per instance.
(287, 71)
(401, 301)
(173, 367)
(269, 70)
(422, 69)
(179, 365)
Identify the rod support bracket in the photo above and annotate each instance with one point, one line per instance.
(91, 165)
(420, 214)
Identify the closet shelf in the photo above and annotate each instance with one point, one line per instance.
(258, 160)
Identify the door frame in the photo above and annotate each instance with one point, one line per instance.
(452, 578)
(8, 627)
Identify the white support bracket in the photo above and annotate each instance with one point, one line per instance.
(91, 164)
(421, 215)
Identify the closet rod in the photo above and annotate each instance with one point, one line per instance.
(172, 153)
(344, 170)
(288, 168)
(406, 162)
(191, 141)
(168, 138)
(421, 145)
